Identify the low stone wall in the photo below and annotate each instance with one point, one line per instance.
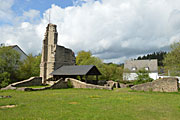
(122, 85)
(79, 84)
(161, 85)
(33, 81)
(59, 84)
(112, 84)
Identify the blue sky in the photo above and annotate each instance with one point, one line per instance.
(41, 5)
(114, 30)
(19, 6)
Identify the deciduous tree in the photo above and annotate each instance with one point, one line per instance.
(172, 60)
(30, 67)
(9, 65)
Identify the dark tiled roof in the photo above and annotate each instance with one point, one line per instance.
(140, 64)
(77, 70)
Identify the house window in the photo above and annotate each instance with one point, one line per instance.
(147, 68)
(133, 69)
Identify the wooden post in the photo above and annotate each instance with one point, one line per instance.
(97, 77)
(86, 78)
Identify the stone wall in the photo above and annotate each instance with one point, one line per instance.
(25, 86)
(112, 84)
(161, 85)
(79, 84)
(60, 84)
(33, 81)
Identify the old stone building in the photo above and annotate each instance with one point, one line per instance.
(53, 55)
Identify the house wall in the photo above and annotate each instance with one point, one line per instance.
(133, 76)
(23, 55)
(154, 76)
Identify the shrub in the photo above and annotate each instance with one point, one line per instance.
(143, 77)
(4, 79)
(69, 84)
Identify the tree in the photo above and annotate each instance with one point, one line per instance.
(112, 72)
(143, 77)
(172, 60)
(5, 79)
(109, 71)
(83, 57)
(156, 55)
(30, 67)
(9, 65)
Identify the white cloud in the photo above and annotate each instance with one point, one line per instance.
(6, 13)
(31, 15)
(112, 29)
(24, 35)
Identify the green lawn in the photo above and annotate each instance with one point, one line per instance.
(37, 86)
(86, 104)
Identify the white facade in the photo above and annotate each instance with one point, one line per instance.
(133, 76)
(154, 75)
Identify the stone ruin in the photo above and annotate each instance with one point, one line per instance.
(34, 81)
(53, 55)
(161, 85)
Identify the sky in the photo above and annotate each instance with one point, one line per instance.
(114, 30)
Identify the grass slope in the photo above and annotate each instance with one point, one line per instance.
(86, 104)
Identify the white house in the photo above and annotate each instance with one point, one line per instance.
(131, 67)
(23, 55)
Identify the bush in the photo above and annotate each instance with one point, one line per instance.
(143, 77)
(4, 79)
(69, 84)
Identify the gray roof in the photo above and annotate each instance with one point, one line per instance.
(152, 65)
(77, 70)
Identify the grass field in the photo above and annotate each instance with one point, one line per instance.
(86, 104)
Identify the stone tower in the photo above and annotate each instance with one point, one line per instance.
(53, 56)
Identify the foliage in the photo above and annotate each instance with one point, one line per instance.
(172, 60)
(112, 72)
(118, 104)
(109, 71)
(30, 67)
(143, 77)
(9, 65)
(13, 70)
(69, 84)
(83, 57)
(4, 79)
(156, 55)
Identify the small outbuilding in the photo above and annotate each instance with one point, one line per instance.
(72, 71)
